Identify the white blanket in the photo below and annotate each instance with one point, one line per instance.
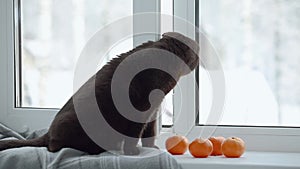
(67, 158)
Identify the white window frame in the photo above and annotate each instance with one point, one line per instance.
(19, 119)
(22, 119)
(279, 139)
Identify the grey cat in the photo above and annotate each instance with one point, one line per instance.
(66, 131)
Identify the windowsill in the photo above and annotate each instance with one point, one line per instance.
(250, 160)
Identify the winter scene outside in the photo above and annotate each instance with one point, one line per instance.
(53, 33)
(257, 42)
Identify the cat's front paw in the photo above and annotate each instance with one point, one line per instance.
(155, 146)
(151, 146)
(131, 151)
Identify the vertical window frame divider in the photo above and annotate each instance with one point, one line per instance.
(146, 6)
(184, 95)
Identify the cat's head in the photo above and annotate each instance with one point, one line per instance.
(184, 47)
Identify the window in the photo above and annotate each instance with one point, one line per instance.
(257, 46)
(52, 39)
(257, 42)
(248, 37)
(46, 38)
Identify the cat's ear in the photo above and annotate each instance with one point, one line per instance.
(170, 35)
(193, 45)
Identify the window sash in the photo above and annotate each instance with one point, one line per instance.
(283, 139)
(25, 119)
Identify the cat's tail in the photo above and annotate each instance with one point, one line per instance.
(37, 142)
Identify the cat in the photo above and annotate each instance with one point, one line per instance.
(66, 130)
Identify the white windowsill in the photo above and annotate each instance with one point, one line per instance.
(250, 160)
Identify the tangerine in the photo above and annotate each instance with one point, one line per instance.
(201, 148)
(177, 145)
(217, 142)
(233, 147)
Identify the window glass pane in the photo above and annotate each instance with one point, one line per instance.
(53, 34)
(258, 45)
